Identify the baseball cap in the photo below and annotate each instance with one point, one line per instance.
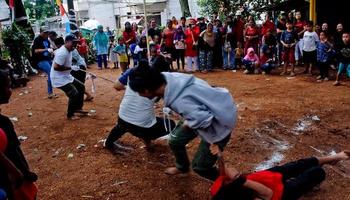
(71, 37)
(44, 29)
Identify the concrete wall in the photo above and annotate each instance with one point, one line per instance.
(103, 13)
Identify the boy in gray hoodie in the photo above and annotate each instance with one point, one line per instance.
(207, 112)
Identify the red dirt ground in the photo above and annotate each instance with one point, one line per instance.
(269, 109)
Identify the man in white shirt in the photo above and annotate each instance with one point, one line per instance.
(61, 77)
(136, 116)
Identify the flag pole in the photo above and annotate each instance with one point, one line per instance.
(146, 28)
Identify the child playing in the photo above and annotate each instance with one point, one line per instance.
(267, 60)
(16, 179)
(288, 40)
(155, 43)
(120, 49)
(112, 55)
(251, 62)
(343, 54)
(141, 48)
(324, 51)
(239, 53)
(208, 112)
(179, 42)
(310, 40)
(286, 182)
(157, 60)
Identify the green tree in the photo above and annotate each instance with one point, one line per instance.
(227, 7)
(40, 9)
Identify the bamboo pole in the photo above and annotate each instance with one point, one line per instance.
(146, 28)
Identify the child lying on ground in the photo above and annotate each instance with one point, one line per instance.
(251, 62)
(287, 182)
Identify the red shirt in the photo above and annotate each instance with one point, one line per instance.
(268, 25)
(129, 36)
(168, 36)
(189, 42)
(83, 47)
(299, 26)
(238, 31)
(272, 180)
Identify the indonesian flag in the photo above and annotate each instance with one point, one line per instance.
(65, 19)
(12, 3)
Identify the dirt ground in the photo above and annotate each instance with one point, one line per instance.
(280, 119)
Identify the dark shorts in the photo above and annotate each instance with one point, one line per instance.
(309, 56)
(288, 55)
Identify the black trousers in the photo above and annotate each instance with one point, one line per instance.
(75, 93)
(148, 134)
(79, 75)
(323, 66)
(180, 55)
(300, 177)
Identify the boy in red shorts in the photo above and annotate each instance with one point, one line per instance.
(288, 39)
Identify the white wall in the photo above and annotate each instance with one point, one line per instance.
(173, 8)
(103, 13)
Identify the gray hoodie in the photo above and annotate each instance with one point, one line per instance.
(209, 111)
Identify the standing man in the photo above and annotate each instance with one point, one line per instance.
(101, 44)
(61, 77)
(42, 56)
(207, 112)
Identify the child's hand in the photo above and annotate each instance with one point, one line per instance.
(215, 150)
(232, 173)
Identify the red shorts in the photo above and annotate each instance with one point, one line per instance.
(288, 55)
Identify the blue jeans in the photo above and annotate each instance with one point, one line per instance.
(267, 67)
(225, 55)
(345, 66)
(100, 59)
(45, 66)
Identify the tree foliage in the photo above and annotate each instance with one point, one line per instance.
(227, 7)
(16, 41)
(40, 9)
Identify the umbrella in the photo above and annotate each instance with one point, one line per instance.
(91, 24)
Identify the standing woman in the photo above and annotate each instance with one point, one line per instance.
(179, 42)
(206, 46)
(135, 28)
(129, 37)
(191, 51)
(167, 41)
(251, 36)
(101, 45)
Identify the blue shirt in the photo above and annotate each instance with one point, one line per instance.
(322, 52)
(289, 37)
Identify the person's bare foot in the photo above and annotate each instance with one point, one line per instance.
(74, 118)
(344, 155)
(173, 171)
(336, 83)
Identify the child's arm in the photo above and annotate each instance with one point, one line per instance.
(262, 191)
(16, 177)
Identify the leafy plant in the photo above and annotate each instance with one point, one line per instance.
(16, 41)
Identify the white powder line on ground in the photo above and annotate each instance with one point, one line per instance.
(276, 158)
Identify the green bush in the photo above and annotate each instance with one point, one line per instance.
(16, 41)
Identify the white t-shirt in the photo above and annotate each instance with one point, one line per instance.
(310, 39)
(136, 109)
(64, 58)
